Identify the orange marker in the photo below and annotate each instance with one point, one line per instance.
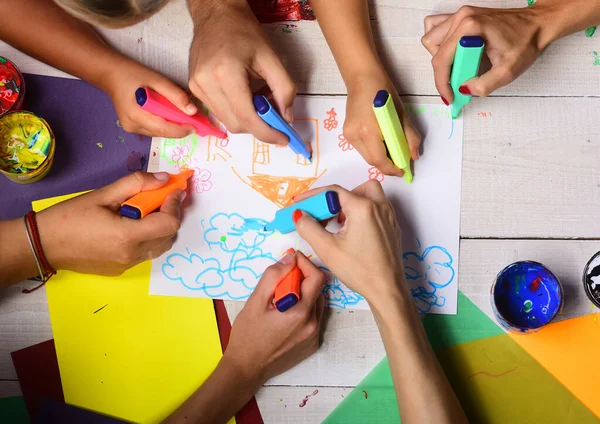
(145, 202)
(287, 292)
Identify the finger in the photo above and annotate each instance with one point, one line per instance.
(124, 188)
(436, 34)
(375, 154)
(313, 282)
(280, 82)
(239, 97)
(213, 97)
(166, 222)
(442, 64)
(371, 189)
(320, 307)
(155, 126)
(321, 240)
(495, 78)
(158, 248)
(341, 191)
(271, 277)
(175, 95)
(433, 21)
(412, 135)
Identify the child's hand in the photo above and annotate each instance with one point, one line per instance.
(514, 38)
(361, 127)
(121, 87)
(230, 49)
(87, 234)
(265, 342)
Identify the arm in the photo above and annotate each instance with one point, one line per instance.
(88, 235)
(264, 343)
(367, 256)
(346, 26)
(60, 40)
(514, 39)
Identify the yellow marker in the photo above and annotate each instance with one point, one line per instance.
(393, 134)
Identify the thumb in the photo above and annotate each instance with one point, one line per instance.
(175, 95)
(281, 84)
(272, 276)
(126, 187)
(313, 232)
(483, 86)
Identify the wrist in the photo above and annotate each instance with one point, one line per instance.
(202, 11)
(368, 73)
(251, 377)
(393, 298)
(52, 245)
(557, 19)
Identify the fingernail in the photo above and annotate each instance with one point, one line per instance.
(191, 109)
(339, 219)
(182, 196)
(463, 89)
(161, 176)
(290, 251)
(445, 101)
(296, 216)
(287, 258)
(192, 131)
(418, 154)
(289, 114)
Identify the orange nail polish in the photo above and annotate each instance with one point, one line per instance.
(290, 251)
(296, 215)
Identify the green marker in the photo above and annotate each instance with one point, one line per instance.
(393, 134)
(466, 66)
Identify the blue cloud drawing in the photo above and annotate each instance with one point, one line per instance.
(432, 270)
(233, 231)
(192, 271)
(337, 294)
(246, 268)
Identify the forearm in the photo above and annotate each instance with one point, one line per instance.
(561, 18)
(42, 30)
(202, 11)
(347, 29)
(219, 398)
(422, 390)
(16, 258)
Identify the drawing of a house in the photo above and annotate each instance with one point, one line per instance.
(278, 173)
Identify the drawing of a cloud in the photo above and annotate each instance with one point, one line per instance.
(193, 272)
(246, 268)
(426, 273)
(336, 293)
(231, 232)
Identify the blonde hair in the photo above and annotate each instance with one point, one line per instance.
(112, 13)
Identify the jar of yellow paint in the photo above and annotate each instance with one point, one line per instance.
(27, 147)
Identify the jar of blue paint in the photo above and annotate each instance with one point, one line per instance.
(526, 296)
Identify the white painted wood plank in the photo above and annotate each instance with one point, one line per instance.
(566, 68)
(10, 389)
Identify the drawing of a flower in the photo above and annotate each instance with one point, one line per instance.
(181, 156)
(330, 122)
(344, 144)
(201, 180)
(376, 174)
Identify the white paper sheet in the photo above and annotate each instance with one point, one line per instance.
(218, 255)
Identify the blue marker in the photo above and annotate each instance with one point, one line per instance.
(321, 206)
(272, 118)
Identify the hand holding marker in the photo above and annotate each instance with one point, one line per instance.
(268, 114)
(158, 105)
(466, 66)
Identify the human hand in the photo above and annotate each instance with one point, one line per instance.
(366, 253)
(121, 85)
(223, 62)
(361, 127)
(514, 38)
(265, 342)
(87, 234)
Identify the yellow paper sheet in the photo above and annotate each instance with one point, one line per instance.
(497, 381)
(124, 353)
(569, 350)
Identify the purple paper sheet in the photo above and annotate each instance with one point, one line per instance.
(80, 116)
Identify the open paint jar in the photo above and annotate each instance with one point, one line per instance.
(12, 87)
(525, 296)
(26, 147)
(591, 279)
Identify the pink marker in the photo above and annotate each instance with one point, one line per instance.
(157, 104)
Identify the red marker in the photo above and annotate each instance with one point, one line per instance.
(157, 104)
(287, 292)
(146, 202)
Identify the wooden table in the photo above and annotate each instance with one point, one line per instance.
(531, 179)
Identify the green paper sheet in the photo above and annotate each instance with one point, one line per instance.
(13, 410)
(468, 325)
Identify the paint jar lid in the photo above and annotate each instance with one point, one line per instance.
(12, 87)
(591, 279)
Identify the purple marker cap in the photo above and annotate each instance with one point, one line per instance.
(471, 41)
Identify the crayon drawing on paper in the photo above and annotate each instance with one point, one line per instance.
(240, 182)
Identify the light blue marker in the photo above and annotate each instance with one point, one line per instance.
(274, 120)
(321, 206)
